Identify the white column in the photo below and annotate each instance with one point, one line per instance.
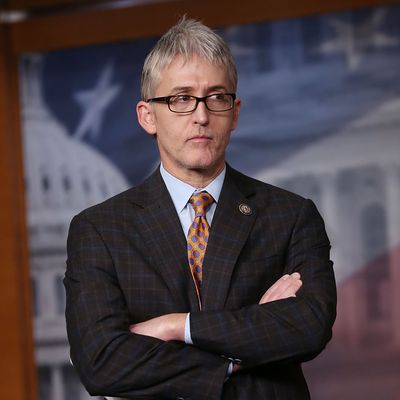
(330, 213)
(350, 304)
(57, 387)
(393, 223)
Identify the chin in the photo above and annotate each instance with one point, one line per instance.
(202, 165)
(197, 166)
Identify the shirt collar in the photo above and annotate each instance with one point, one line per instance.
(180, 191)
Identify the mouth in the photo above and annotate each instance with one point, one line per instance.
(200, 139)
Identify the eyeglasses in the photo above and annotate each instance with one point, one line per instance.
(184, 103)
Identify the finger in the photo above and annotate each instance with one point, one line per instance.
(271, 293)
(277, 287)
(296, 275)
(282, 284)
(291, 290)
(284, 287)
(135, 328)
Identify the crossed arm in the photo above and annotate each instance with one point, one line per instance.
(116, 361)
(172, 326)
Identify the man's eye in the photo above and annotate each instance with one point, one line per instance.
(182, 98)
(218, 97)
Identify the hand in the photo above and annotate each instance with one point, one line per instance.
(166, 327)
(286, 286)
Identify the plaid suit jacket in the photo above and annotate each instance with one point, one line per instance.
(127, 263)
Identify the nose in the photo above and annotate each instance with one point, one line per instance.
(201, 114)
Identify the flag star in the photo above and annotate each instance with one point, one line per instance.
(94, 103)
(354, 40)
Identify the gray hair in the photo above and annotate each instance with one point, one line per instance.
(187, 38)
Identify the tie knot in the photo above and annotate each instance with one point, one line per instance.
(200, 202)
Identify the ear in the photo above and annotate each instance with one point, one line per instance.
(146, 117)
(236, 112)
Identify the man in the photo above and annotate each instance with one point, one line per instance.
(218, 296)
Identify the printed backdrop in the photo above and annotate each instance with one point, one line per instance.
(320, 116)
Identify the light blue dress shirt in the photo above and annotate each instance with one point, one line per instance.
(180, 193)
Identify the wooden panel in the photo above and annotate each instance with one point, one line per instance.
(17, 372)
(100, 26)
(32, 4)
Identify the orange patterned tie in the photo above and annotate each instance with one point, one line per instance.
(198, 237)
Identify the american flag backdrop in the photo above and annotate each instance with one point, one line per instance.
(320, 117)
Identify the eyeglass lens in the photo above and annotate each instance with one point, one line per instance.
(217, 102)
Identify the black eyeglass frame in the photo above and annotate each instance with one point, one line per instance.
(167, 99)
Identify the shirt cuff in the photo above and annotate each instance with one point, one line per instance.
(229, 372)
(188, 336)
(188, 340)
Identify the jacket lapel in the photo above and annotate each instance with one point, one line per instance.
(232, 223)
(165, 241)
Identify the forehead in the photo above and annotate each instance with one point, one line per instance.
(197, 74)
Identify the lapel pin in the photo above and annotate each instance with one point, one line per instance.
(245, 209)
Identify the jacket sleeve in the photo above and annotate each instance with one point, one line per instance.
(289, 330)
(109, 359)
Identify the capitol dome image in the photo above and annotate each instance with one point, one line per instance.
(346, 174)
(63, 175)
(354, 178)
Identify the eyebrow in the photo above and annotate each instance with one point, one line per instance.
(178, 89)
